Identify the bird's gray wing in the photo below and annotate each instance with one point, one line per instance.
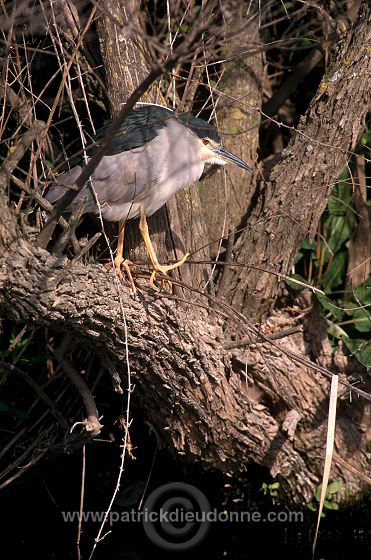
(139, 128)
(118, 179)
(58, 189)
(125, 173)
(125, 177)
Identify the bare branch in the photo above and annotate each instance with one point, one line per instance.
(17, 152)
(92, 424)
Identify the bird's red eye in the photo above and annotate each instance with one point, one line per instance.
(205, 141)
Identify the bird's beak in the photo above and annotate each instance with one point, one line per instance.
(224, 154)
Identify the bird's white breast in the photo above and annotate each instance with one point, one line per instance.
(178, 164)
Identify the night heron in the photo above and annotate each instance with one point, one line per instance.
(155, 153)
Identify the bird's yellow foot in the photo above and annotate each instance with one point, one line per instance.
(125, 263)
(164, 269)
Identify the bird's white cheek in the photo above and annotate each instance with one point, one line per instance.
(216, 161)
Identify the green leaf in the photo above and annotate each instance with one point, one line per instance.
(327, 304)
(366, 138)
(335, 273)
(11, 409)
(336, 331)
(360, 348)
(362, 320)
(308, 249)
(294, 285)
(338, 230)
(303, 41)
(363, 292)
(359, 307)
(340, 198)
(330, 505)
(20, 414)
(308, 245)
(298, 257)
(32, 360)
(318, 492)
(334, 487)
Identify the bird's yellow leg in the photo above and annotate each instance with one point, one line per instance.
(119, 259)
(157, 267)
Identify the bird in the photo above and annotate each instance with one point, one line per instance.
(155, 153)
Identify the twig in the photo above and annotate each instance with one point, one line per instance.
(274, 336)
(35, 459)
(67, 234)
(92, 424)
(304, 67)
(39, 391)
(13, 99)
(39, 199)
(279, 275)
(65, 73)
(17, 152)
(17, 339)
(85, 249)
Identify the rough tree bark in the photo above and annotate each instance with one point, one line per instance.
(289, 205)
(226, 195)
(197, 400)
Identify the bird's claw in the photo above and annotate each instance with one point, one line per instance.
(164, 281)
(164, 269)
(125, 263)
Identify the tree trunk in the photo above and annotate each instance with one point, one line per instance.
(227, 194)
(290, 204)
(175, 228)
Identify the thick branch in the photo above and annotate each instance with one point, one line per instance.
(224, 410)
(203, 407)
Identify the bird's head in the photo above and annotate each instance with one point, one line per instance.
(211, 150)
